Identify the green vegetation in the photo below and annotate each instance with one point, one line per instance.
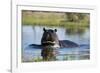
(69, 57)
(61, 19)
(38, 59)
(65, 57)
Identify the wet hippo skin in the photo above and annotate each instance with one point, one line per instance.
(50, 38)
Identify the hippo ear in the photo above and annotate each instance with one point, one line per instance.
(55, 30)
(44, 29)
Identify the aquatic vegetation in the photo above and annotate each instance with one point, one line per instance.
(38, 59)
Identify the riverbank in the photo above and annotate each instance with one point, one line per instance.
(59, 19)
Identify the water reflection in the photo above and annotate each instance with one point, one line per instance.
(76, 30)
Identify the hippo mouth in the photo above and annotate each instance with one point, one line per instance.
(52, 43)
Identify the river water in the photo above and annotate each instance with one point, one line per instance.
(33, 34)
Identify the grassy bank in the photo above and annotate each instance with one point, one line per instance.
(55, 19)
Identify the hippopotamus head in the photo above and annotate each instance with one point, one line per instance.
(50, 37)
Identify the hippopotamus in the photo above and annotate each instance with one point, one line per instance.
(50, 43)
(50, 37)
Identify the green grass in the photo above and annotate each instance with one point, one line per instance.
(38, 59)
(52, 19)
(48, 22)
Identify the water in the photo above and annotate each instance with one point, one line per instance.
(32, 35)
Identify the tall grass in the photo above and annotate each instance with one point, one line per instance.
(55, 19)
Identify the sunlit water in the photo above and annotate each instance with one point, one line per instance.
(32, 35)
